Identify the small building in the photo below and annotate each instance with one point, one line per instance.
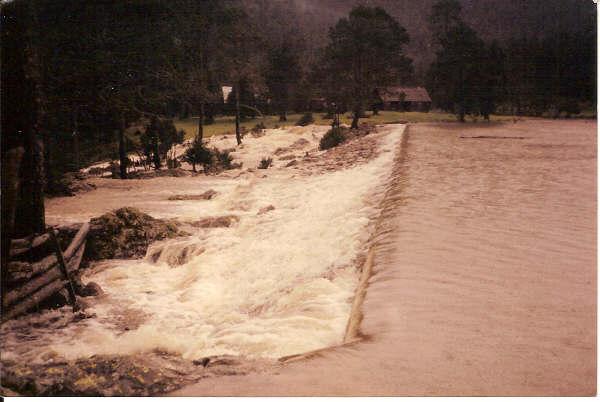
(402, 98)
(226, 90)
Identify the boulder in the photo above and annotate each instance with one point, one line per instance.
(70, 184)
(58, 299)
(100, 375)
(91, 289)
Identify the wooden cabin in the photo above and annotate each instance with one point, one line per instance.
(402, 99)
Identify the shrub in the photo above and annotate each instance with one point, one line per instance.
(96, 171)
(173, 163)
(197, 154)
(305, 120)
(115, 170)
(224, 158)
(160, 137)
(570, 107)
(265, 163)
(333, 137)
(257, 129)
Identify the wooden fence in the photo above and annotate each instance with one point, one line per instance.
(47, 276)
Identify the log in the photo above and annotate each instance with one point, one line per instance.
(77, 240)
(52, 274)
(53, 279)
(50, 269)
(75, 261)
(35, 299)
(18, 271)
(43, 265)
(30, 247)
(28, 243)
(47, 290)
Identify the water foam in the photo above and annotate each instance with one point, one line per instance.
(273, 284)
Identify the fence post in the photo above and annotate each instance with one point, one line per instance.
(64, 269)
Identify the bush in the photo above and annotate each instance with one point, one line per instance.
(197, 154)
(173, 163)
(115, 170)
(265, 163)
(213, 160)
(306, 119)
(333, 137)
(570, 107)
(159, 137)
(224, 158)
(257, 129)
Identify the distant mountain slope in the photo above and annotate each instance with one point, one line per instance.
(493, 19)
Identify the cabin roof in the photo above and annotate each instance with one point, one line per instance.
(406, 94)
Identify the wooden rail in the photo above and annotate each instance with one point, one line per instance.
(49, 276)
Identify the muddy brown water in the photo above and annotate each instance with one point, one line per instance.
(484, 279)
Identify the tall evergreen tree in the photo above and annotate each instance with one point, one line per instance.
(240, 45)
(365, 50)
(282, 75)
(200, 29)
(456, 77)
(492, 80)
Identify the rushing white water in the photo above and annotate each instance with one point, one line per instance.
(273, 284)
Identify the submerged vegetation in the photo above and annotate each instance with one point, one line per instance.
(126, 233)
(265, 163)
(305, 120)
(334, 137)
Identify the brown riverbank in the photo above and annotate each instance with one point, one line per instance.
(484, 280)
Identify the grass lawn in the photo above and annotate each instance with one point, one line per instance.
(226, 124)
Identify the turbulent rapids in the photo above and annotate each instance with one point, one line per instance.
(277, 279)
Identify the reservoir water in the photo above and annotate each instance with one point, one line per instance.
(484, 279)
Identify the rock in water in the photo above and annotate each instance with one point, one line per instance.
(101, 375)
(91, 289)
(125, 233)
(266, 209)
(58, 299)
(217, 222)
(207, 195)
(72, 183)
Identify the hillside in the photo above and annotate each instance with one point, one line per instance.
(493, 19)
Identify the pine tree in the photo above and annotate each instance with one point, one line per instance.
(365, 50)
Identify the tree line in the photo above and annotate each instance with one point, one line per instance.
(548, 75)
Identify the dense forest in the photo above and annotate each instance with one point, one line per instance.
(77, 76)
